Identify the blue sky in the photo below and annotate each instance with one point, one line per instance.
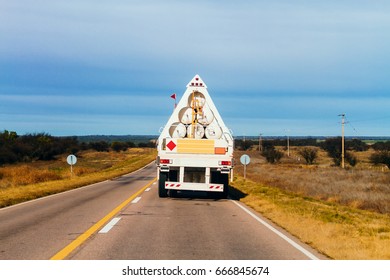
(272, 67)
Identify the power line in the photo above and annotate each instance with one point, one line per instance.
(349, 122)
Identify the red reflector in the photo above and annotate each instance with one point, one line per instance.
(165, 161)
(226, 162)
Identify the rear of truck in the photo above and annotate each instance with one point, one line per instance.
(195, 148)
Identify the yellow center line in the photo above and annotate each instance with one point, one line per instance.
(84, 236)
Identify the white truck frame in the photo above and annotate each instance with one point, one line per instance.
(195, 148)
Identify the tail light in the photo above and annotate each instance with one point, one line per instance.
(225, 162)
(165, 161)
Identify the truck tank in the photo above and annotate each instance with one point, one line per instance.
(195, 148)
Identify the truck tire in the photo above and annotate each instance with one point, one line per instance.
(225, 181)
(219, 178)
(172, 193)
(162, 192)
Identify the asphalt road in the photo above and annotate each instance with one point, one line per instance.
(124, 219)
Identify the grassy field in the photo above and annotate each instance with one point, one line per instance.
(364, 186)
(343, 213)
(24, 182)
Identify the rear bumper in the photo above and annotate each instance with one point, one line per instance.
(194, 186)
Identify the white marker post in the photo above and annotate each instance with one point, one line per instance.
(245, 160)
(71, 159)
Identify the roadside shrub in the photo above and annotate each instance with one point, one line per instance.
(309, 154)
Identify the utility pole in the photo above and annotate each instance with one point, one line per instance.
(342, 140)
(288, 142)
(260, 143)
(288, 145)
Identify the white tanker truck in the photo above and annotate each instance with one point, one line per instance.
(195, 148)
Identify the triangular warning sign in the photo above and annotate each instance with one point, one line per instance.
(196, 82)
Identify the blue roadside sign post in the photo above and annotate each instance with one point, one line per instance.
(71, 160)
(245, 160)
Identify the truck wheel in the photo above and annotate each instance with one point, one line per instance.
(172, 193)
(224, 179)
(162, 192)
(221, 179)
(225, 182)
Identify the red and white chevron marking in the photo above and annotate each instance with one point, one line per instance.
(184, 186)
(172, 185)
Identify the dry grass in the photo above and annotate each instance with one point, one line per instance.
(337, 231)
(25, 175)
(342, 213)
(364, 187)
(25, 182)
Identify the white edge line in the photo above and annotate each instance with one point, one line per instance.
(68, 191)
(110, 225)
(135, 200)
(274, 230)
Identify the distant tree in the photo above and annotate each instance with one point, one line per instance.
(146, 145)
(356, 145)
(272, 155)
(303, 142)
(309, 154)
(7, 137)
(333, 147)
(130, 144)
(7, 156)
(100, 146)
(381, 157)
(119, 146)
(38, 146)
(243, 145)
(268, 144)
(381, 146)
(351, 159)
(84, 146)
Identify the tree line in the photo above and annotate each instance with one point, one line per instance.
(310, 146)
(42, 146)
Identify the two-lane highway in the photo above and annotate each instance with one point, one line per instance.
(40, 228)
(125, 219)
